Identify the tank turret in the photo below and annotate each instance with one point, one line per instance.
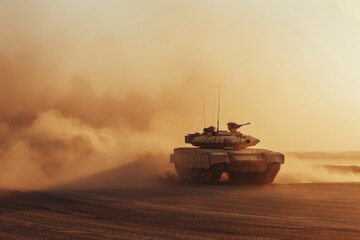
(231, 139)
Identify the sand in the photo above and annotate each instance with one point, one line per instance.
(171, 210)
(133, 202)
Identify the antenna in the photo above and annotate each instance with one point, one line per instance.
(214, 113)
(204, 111)
(218, 119)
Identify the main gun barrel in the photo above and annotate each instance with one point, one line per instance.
(244, 124)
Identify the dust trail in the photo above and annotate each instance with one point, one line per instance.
(77, 99)
(143, 170)
(58, 148)
(318, 169)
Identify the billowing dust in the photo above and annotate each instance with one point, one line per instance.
(81, 95)
(325, 167)
(56, 148)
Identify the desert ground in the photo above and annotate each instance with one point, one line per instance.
(164, 208)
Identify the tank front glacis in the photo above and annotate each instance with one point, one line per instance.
(219, 152)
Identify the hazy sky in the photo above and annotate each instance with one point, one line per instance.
(291, 68)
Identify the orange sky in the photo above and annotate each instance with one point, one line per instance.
(291, 68)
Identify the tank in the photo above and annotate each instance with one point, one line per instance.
(231, 152)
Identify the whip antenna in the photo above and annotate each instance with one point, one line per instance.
(213, 122)
(218, 119)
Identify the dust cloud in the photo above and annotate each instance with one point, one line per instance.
(51, 137)
(56, 148)
(71, 107)
(323, 168)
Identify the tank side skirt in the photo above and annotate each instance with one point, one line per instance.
(243, 163)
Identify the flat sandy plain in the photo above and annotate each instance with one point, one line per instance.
(117, 205)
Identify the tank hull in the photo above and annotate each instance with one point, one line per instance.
(243, 166)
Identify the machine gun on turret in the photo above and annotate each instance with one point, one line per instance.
(233, 127)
